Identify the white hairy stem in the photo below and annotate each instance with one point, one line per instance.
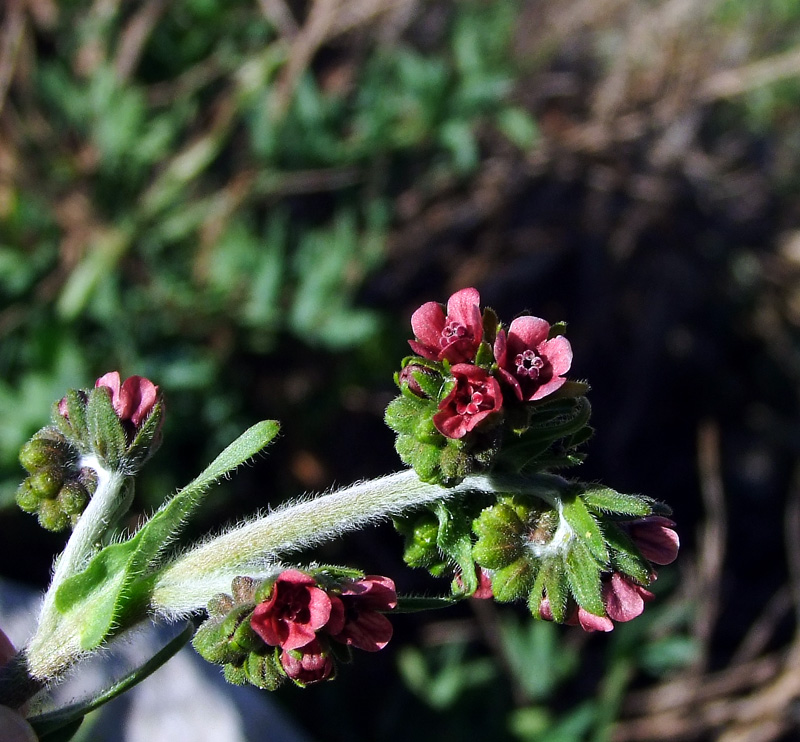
(55, 646)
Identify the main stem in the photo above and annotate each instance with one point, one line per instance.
(55, 647)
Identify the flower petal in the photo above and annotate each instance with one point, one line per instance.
(624, 600)
(558, 352)
(370, 632)
(527, 332)
(427, 323)
(590, 622)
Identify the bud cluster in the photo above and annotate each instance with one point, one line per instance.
(295, 625)
(56, 488)
(584, 557)
(114, 426)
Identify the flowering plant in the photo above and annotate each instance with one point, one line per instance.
(484, 417)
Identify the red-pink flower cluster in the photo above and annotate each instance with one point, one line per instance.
(623, 598)
(300, 616)
(528, 364)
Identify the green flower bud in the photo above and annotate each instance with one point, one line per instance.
(73, 498)
(46, 482)
(263, 671)
(421, 549)
(39, 453)
(217, 641)
(51, 516)
(235, 674)
(27, 498)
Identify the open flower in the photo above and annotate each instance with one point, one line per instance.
(294, 612)
(363, 603)
(309, 664)
(475, 397)
(132, 399)
(656, 538)
(528, 362)
(455, 336)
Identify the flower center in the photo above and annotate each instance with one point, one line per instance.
(452, 332)
(295, 609)
(472, 400)
(529, 364)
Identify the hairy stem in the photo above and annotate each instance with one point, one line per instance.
(55, 647)
(254, 547)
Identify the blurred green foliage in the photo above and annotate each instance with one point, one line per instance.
(179, 206)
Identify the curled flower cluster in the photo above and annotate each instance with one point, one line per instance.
(56, 488)
(474, 382)
(479, 397)
(116, 424)
(284, 627)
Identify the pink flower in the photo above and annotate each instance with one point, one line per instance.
(309, 664)
(484, 589)
(623, 600)
(454, 337)
(132, 399)
(294, 612)
(529, 363)
(656, 538)
(363, 603)
(475, 396)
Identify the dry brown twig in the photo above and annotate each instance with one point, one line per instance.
(134, 37)
(12, 32)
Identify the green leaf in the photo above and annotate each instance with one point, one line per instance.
(455, 540)
(583, 574)
(415, 604)
(551, 582)
(499, 531)
(585, 527)
(116, 576)
(625, 556)
(606, 500)
(513, 581)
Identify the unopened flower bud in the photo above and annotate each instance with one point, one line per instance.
(27, 498)
(51, 516)
(40, 452)
(263, 670)
(46, 482)
(73, 498)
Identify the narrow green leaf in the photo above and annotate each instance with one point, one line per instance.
(586, 529)
(455, 540)
(415, 604)
(513, 581)
(247, 445)
(625, 556)
(583, 574)
(551, 582)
